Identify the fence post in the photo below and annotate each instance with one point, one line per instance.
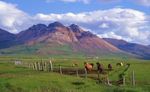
(85, 72)
(37, 66)
(107, 79)
(77, 73)
(60, 70)
(45, 66)
(33, 66)
(42, 67)
(48, 67)
(124, 80)
(133, 79)
(98, 75)
(51, 65)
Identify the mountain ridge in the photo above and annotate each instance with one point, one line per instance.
(134, 48)
(58, 35)
(55, 36)
(73, 35)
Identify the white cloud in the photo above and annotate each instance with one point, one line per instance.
(128, 24)
(11, 18)
(111, 35)
(104, 25)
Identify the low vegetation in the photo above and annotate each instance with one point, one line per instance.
(15, 78)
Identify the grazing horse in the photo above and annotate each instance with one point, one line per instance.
(88, 66)
(119, 64)
(100, 67)
(109, 67)
(75, 64)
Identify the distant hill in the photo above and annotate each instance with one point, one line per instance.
(137, 49)
(6, 39)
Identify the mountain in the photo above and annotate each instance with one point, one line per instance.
(57, 39)
(6, 39)
(57, 35)
(137, 49)
(33, 32)
(88, 42)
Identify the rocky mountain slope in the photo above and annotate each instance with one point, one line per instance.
(56, 35)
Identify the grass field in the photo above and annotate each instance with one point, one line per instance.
(20, 79)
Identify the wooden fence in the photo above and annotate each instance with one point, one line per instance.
(76, 71)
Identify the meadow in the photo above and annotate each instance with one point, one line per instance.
(16, 78)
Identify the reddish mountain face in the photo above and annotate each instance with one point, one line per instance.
(56, 35)
(90, 42)
(137, 49)
(33, 32)
(73, 35)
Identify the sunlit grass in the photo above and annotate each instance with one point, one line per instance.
(19, 79)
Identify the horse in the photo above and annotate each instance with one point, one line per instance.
(119, 64)
(75, 64)
(88, 66)
(109, 67)
(100, 67)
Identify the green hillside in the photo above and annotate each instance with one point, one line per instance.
(56, 50)
(40, 49)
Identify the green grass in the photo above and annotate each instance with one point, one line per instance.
(19, 79)
(21, 49)
(53, 50)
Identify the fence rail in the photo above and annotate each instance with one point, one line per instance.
(79, 72)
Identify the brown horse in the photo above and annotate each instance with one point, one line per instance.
(100, 67)
(88, 66)
(109, 67)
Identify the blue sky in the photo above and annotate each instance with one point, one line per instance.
(55, 6)
(120, 19)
